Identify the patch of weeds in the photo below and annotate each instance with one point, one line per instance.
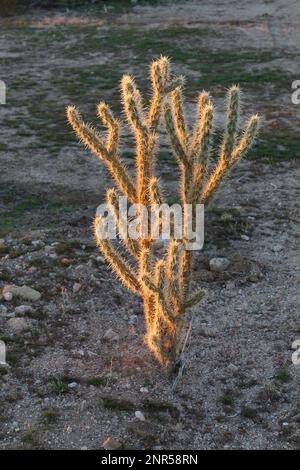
(3, 147)
(118, 299)
(4, 250)
(117, 404)
(148, 434)
(96, 381)
(67, 247)
(226, 225)
(12, 398)
(50, 416)
(13, 359)
(40, 262)
(3, 371)
(16, 252)
(60, 387)
(27, 241)
(157, 406)
(282, 375)
(249, 413)
(268, 394)
(30, 437)
(280, 145)
(227, 400)
(100, 381)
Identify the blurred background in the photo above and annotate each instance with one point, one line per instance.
(53, 53)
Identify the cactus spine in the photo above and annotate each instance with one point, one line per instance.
(165, 283)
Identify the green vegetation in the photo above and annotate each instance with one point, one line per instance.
(60, 386)
(283, 376)
(227, 399)
(119, 404)
(249, 413)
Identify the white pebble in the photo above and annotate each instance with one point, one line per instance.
(139, 415)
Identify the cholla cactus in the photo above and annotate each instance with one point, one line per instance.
(165, 283)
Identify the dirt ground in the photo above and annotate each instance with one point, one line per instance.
(71, 385)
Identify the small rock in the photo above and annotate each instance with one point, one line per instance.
(23, 310)
(7, 296)
(245, 237)
(139, 415)
(232, 368)
(133, 319)
(3, 310)
(38, 243)
(78, 353)
(111, 444)
(66, 261)
(24, 292)
(19, 325)
(73, 385)
(144, 390)
(219, 264)
(277, 248)
(230, 285)
(76, 287)
(110, 335)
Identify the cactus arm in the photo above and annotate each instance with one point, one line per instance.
(158, 73)
(132, 104)
(154, 192)
(173, 286)
(224, 166)
(179, 119)
(162, 84)
(247, 139)
(162, 307)
(201, 152)
(144, 139)
(118, 263)
(113, 202)
(233, 114)
(178, 149)
(105, 114)
(201, 139)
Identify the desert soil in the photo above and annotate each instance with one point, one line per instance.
(78, 368)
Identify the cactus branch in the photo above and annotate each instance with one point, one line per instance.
(94, 142)
(116, 260)
(113, 202)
